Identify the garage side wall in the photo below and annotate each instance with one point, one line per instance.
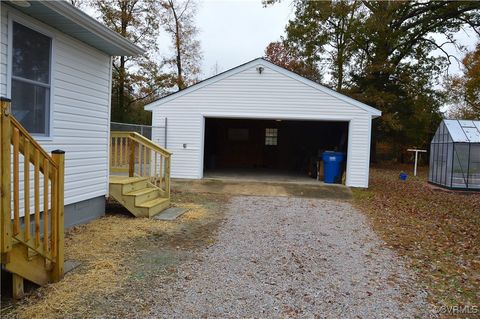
(269, 95)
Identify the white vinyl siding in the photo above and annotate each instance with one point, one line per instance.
(270, 95)
(80, 110)
(3, 50)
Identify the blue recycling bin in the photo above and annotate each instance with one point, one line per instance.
(332, 166)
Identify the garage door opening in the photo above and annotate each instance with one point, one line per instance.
(270, 149)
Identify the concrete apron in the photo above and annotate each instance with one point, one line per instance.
(263, 188)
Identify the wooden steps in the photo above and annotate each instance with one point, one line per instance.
(28, 265)
(140, 169)
(31, 229)
(137, 195)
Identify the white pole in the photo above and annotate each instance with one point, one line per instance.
(416, 158)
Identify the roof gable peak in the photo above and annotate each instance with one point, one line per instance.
(374, 112)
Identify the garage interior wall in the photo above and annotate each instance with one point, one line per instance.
(274, 145)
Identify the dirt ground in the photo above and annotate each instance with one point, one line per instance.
(313, 189)
(300, 256)
(119, 252)
(127, 263)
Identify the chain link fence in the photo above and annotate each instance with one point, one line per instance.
(157, 134)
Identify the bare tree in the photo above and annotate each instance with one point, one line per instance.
(178, 20)
(136, 80)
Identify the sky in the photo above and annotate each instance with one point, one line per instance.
(233, 32)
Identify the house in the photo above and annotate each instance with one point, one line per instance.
(56, 69)
(58, 158)
(260, 117)
(455, 155)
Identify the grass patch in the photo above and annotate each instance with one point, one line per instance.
(438, 230)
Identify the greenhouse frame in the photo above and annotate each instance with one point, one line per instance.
(455, 155)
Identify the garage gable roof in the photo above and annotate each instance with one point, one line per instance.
(261, 61)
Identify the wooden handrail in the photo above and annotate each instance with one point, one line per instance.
(46, 238)
(32, 141)
(142, 140)
(5, 173)
(145, 141)
(136, 155)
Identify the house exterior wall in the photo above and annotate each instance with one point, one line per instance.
(269, 95)
(80, 108)
(3, 49)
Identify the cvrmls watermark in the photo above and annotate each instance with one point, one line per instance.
(442, 311)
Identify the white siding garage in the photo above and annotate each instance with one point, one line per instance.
(262, 91)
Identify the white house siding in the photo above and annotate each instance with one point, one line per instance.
(3, 50)
(248, 94)
(80, 109)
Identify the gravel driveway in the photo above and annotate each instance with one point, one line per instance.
(282, 257)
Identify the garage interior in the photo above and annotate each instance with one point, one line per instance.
(279, 150)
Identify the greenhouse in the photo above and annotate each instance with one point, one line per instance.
(455, 155)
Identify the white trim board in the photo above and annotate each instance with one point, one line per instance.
(276, 117)
(36, 26)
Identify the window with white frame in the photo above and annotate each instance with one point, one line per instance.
(271, 136)
(31, 79)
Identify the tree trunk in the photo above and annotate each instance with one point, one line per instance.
(180, 83)
(340, 70)
(123, 107)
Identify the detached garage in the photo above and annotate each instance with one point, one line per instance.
(261, 118)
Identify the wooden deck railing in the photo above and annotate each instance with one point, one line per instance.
(32, 182)
(136, 155)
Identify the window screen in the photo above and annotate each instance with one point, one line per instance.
(31, 56)
(271, 136)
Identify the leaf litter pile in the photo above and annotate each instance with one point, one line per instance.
(437, 230)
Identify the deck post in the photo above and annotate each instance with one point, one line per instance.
(131, 161)
(167, 174)
(5, 185)
(58, 157)
(17, 282)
